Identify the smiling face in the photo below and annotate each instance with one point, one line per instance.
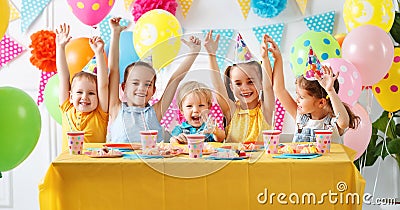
(83, 94)
(305, 102)
(194, 105)
(139, 86)
(245, 85)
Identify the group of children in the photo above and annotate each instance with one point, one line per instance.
(246, 96)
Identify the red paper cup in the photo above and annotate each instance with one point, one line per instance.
(323, 140)
(271, 141)
(75, 142)
(148, 139)
(195, 145)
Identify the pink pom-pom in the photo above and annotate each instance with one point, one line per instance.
(142, 6)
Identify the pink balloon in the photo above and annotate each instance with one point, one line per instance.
(358, 139)
(91, 12)
(370, 50)
(349, 79)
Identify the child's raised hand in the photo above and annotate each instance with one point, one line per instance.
(115, 25)
(194, 43)
(62, 35)
(327, 80)
(274, 49)
(97, 44)
(210, 44)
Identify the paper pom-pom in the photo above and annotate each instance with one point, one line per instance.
(142, 6)
(268, 8)
(44, 50)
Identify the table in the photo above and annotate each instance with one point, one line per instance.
(79, 182)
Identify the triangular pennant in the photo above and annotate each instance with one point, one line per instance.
(321, 22)
(185, 6)
(9, 49)
(14, 13)
(223, 46)
(105, 30)
(245, 7)
(31, 9)
(127, 4)
(302, 4)
(274, 31)
(44, 77)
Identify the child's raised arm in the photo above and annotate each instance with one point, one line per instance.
(161, 107)
(327, 81)
(62, 38)
(268, 105)
(113, 62)
(97, 45)
(223, 100)
(278, 82)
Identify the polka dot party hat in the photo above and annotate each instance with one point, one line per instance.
(91, 66)
(242, 52)
(313, 66)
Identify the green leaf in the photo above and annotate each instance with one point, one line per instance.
(394, 146)
(395, 30)
(381, 124)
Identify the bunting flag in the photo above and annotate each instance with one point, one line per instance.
(321, 22)
(105, 30)
(185, 6)
(14, 13)
(31, 9)
(275, 32)
(44, 77)
(127, 4)
(225, 42)
(245, 7)
(302, 4)
(9, 49)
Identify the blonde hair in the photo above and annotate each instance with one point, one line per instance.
(199, 89)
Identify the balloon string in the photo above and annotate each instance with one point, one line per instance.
(384, 146)
(369, 100)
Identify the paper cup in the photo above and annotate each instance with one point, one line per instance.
(323, 140)
(148, 139)
(75, 142)
(195, 145)
(271, 141)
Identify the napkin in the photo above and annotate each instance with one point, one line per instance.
(136, 156)
(297, 156)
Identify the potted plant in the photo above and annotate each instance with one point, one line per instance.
(375, 146)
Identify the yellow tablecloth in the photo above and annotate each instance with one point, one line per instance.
(75, 182)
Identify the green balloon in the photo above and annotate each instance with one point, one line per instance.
(20, 126)
(51, 93)
(324, 45)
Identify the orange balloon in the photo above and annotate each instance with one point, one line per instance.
(339, 38)
(78, 54)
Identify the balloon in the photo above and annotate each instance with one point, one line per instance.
(127, 52)
(339, 38)
(157, 34)
(20, 126)
(370, 50)
(379, 13)
(387, 91)
(358, 139)
(349, 79)
(4, 17)
(91, 12)
(323, 44)
(78, 53)
(51, 95)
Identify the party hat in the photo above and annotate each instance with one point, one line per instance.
(313, 66)
(148, 59)
(91, 66)
(242, 52)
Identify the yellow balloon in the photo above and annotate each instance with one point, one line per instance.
(387, 90)
(379, 13)
(157, 34)
(4, 16)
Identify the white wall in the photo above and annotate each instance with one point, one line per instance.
(204, 14)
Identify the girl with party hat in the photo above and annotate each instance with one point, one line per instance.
(317, 105)
(84, 101)
(246, 97)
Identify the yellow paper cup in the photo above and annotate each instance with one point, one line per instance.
(75, 142)
(271, 141)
